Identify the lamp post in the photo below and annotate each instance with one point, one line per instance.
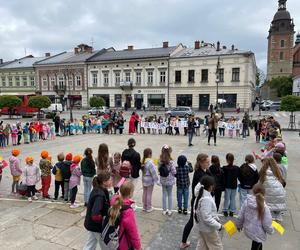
(217, 81)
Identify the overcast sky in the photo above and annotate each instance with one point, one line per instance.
(58, 25)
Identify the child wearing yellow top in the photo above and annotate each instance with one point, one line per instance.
(58, 176)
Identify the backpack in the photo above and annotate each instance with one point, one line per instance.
(110, 233)
(163, 170)
(125, 169)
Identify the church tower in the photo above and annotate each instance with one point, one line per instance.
(280, 43)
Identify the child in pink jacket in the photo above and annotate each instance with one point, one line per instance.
(128, 231)
(74, 180)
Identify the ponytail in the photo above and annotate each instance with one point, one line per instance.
(114, 211)
(259, 192)
(197, 201)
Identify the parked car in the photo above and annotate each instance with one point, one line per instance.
(265, 105)
(180, 111)
(98, 111)
(270, 105)
(53, 108)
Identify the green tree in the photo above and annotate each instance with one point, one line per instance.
(39, 102)
(10, 102)
(282, 84)
(260, 77)
(97, 101)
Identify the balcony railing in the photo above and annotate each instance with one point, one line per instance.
(126, 85)
(60, 90)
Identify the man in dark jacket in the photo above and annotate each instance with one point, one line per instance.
(56, 121)
(191, 129)
(134, 158)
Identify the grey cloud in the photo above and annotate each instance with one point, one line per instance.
(57, 25)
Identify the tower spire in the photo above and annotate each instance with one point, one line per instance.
(282, 4)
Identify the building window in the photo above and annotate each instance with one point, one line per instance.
(118, 100)
(221, 75)
(52, 81)
(127, 76)
(24, 80)
(178, 76)
(282, 43)
(3, 81)
(78, 81)
(138, 77)
(281, 55)
(105, 78)
(236, 74)
(61, 82)
(191, 76)
(156, 100)
(204, 75)
(184, 100)
(17, 81)
(45, 82)
(95, 78)
(70, 82)
(162, 76)
(32, 81)
(117, 78)
(10, 81)
(230, 100)
(150, 77)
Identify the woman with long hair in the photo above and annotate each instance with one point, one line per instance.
(255, 217)
(271, 178)
(201, 170)
(217, 173)
(97, 208)
(167, 172)
(121, 205)
(103, 161)
(88, 170)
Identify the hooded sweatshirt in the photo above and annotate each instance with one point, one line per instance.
(254, 228)
(75, 175)
(248, 175)
(14, 165)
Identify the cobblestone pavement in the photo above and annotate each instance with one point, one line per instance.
(50, 225)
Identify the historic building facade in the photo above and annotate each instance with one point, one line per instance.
(197, 74)
(131, 77)
(63, 77)
(18, 77)
(280, 43)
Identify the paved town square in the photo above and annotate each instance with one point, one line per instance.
(53, 225)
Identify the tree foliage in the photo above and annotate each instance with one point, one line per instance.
(39, 102)
(10, 101)
(282, 84)
(260, 77)
(97, 101)
(290, 103)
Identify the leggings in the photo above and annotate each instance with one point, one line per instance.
(256, 245)
(218, 195)
(214, 132)
(73, 194)
(15, 185)
(189, 225)
(31, 191)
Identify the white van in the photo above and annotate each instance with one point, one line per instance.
(54, 107)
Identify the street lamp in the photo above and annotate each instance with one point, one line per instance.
(217, 81)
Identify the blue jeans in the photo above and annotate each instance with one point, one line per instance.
(243, 195)
(229, 202)
(87, 188)
(167, 194)
(182, 193)
(190, 136)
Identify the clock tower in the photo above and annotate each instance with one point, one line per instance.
(280, 43)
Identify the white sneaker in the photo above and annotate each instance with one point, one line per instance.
(169, 212)
(35, 198)
(165, 212)
(149, 210)
(29, 199)
(74, 205)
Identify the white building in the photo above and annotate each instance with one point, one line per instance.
(193, 77)
(131, 77)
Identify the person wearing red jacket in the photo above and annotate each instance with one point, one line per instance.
(128, 232)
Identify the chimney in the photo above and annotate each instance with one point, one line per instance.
(47, 54)
(130, 47)
(224, 47)
(1, 61)
(197, 44)
(232, 47)
(165, 44)
(76, 50)
(218, 46)
(89, 49)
